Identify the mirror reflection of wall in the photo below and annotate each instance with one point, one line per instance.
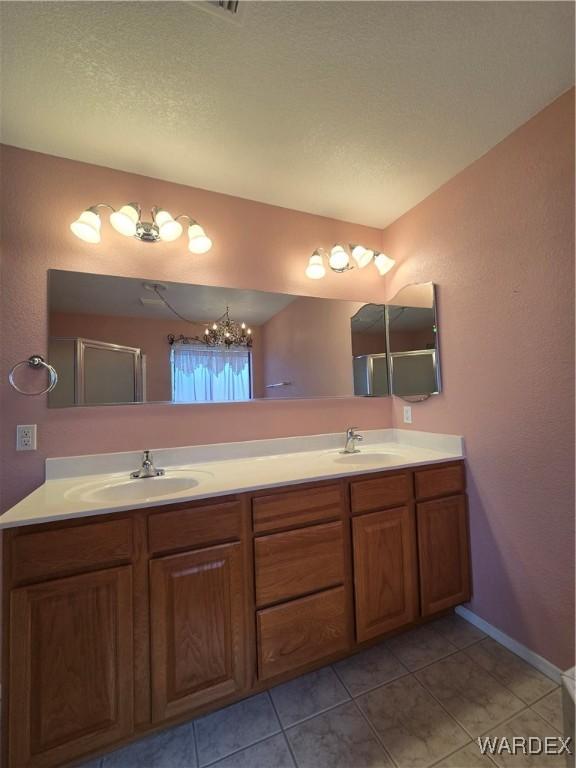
(299, 346)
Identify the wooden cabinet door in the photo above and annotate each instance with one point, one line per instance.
(71, 667)
(385, 579)
(443, 552)
(197, 603)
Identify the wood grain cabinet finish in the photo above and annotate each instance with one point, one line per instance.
(197, 605)
(385, 571)
(294, 634)
(194, 526)
(388, 490)
(444, 553)
(440, 480)
(298, 562)
(298, 507)
(71, 667)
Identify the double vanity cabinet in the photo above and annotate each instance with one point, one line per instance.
(118, 624)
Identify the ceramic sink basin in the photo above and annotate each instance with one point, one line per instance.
(366, 458)
(124, 490)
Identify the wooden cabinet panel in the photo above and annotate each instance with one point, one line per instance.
(297, 633)
(385, 571)
(441, 480)
(194, 526)
(443, 553)
(198, 628)
(44, 554)
(295, 563)
(71, 667)
(299, 507)
(388, 490)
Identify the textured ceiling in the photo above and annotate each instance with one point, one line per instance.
(349, 109)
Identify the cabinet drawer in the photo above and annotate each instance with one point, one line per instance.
(295, 563)
(386, 491)
(194, 526)
(443, 480)
(56, 552)
(299, 507)
(298, 633)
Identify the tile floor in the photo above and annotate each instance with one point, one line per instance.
(415, 701)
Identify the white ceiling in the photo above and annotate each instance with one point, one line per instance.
(355, 110)
(78, 292)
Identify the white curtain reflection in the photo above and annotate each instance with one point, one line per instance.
(204, 374)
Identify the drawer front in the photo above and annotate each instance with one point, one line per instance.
(301, 632)
(299, 507)
(64, 551)
(443, 480)
(390, 490)
(194, 526)
(298, 562)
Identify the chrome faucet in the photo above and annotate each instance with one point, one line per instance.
(352, 437)
(147, 469)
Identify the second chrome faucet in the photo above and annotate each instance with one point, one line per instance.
(352, 437)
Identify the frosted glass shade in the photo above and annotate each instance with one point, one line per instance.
(315, 269)
(87, 227)
(362, 256)
(338, 258)
(383, 263)
(198, 240)
(169, 228)
(125, 220)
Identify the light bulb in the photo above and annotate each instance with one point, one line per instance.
(338, 259)
(126, 219)
(249, 331)
(207, 332)
(214, 327)
(361, 255)
(168, 228)
(383, 263)
(87, 226)
(243, 326)
(199, 242)
(315, 269)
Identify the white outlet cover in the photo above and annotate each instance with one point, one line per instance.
(407, 414)
(26, 437)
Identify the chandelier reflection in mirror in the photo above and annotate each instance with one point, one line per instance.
(127, 220)
(228, 332)
(341, 259)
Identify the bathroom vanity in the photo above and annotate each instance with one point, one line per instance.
(120, 621)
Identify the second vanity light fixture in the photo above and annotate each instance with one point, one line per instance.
(339, 260)
(128, 221)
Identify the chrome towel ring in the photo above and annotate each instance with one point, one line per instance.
(35, 361)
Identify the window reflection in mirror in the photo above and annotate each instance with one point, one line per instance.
(369, 358)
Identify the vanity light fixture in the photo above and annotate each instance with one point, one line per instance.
(339, 260)
(127, 220)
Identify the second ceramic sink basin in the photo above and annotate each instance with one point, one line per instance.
(123, 489)
(366, 459)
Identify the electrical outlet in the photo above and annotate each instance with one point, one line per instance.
(407, 414)
(26, 437)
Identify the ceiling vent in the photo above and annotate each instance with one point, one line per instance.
(230, 6)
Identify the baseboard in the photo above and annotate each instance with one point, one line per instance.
(537, 661)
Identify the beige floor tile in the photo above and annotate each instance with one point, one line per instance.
(419, 647)
(340, 738)
(472, 696)
(414, 728)
(550, 708)
(173, 748)
(308, 695)
(272, 753)
(233, 728)
(369, 669)
(527, 724)
(459, 631)
(467, 757)
(512, 671)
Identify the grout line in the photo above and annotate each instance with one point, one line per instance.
(286, 739)
(376, 734)
(320, 712)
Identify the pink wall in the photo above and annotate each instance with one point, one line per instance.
(498, 239)
(309, 344)
(255, 246)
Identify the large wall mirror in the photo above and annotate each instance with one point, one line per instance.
(117, 340)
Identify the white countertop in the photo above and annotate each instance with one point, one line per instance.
(73, 484)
